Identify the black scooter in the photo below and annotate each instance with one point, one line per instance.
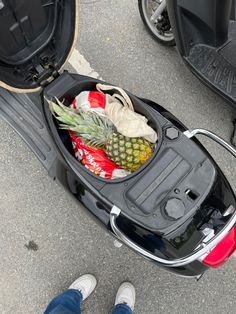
(178, 210)
(205, 34)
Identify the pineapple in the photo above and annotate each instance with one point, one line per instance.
(98, 131)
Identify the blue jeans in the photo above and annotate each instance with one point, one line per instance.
(69, 302)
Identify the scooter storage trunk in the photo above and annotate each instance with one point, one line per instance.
(172, 206)
(165, 191)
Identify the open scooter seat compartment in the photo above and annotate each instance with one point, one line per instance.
(168, 188)
(178, 198)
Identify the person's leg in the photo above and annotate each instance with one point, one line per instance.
(125, 299)
(70, 301)
(122, 309)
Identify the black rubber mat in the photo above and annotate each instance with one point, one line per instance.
(22, 113)
(217, 66)
(228, 52)
(211, 65)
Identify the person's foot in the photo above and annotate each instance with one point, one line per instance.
(126, 295)
(85, 284)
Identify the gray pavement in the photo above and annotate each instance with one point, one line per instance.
(67, 243)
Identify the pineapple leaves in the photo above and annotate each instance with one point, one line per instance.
(94, 129)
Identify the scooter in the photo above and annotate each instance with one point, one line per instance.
(205, 34)
(178, 210)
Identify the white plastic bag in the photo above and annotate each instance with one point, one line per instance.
(120, 111)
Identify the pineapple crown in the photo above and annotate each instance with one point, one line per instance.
(94, 129)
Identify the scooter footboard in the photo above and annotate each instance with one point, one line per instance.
(22, 112)
(205, 33)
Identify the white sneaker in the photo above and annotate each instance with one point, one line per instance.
(85, 284)
(126, 295)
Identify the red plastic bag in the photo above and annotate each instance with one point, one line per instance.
(91, 101)
(92, 158)
(95, 160)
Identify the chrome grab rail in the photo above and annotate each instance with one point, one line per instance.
(203, 249)
(212, 136)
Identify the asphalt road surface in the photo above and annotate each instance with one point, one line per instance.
(66, 242)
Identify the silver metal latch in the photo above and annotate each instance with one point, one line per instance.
(209, 234)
